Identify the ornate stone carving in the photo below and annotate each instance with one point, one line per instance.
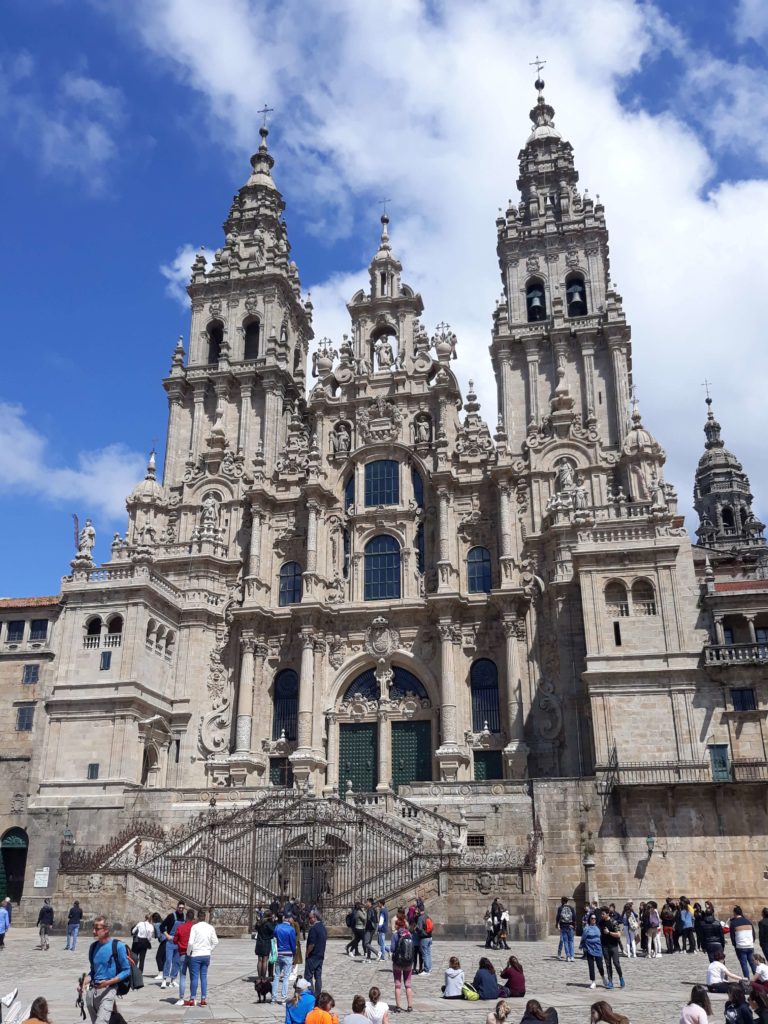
(381, 639)
(336, 650)
(532, 264)
(549, 719)
(380, 421)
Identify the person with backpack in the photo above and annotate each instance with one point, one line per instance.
(403, 950)
(565, 921)
(654, 929)
(356, 923)
(109, 973)
(423, 929)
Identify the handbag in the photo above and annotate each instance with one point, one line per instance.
(273, 952)
(469, 992)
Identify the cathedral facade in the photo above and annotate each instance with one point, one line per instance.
(347, 582)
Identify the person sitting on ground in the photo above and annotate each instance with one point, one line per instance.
(514, 978)
(719, 978)
(376, 1009)
(736, 1009)
(499, 1014)
(38, 1012)
(297, 1008)
(454, 979)
(698, 1008)
(485, 980)
(322, 1012)
(758, 1002)
(358, 1012)
(760, 978)
(602, 1011)
(535, 1013)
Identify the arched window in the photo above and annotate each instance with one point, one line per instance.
(366, 685)
(94, 627)
(616, 599)
(382, 483)
(286, 704)
(382, 569)
(349, 492)
(251, 345)
(535, 301)
(115, 624)
(215, 340)
(290, 584)
(170, 643)
(576, 295)
(484, 683)
(727, 515)
(479, 571)
(643, 598)
(418, 487)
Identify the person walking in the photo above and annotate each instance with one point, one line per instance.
(609, 938)
(565, 920)
(181, 939)
(202, 941)
(712, 936)
(698, 1009)
(382, 928)
(45, 923)
(285, 937)
(108, 966)
(593, 947)
(5, 922)
(402, 950)
(762, 932)
(369, 933)
(142, 940)
(170, 966)
(742, 934)
(265, 932)
(317, 938)
(629, 921)
(74, 919)
(357, 919)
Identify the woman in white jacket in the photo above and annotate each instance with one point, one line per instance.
(142, 933)
(202, 941)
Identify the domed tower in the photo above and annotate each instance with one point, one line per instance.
(722, 497)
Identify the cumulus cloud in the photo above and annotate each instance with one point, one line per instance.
(67, 125)
(97, 483)
(751, 21)
(435, 120)
(177, 272)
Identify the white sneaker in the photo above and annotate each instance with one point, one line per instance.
(158, 977)
(175, 983)
(179, 1002)
(351, 954)
(593, 985)
(163, 983)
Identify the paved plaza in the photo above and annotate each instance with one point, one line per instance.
(656, 989)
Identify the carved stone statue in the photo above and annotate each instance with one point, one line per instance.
(580, 499)
(341, 439)
(421, 429)
(87, 540)
(364, 366)
(385, 354)
(565, 479)
(209, 516)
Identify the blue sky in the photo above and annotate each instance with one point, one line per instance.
(123, 147)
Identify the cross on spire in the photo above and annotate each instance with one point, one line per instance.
(706, 386)
(538, 64)
(264, 111)
(383, 204)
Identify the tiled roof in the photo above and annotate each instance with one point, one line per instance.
(729, 585)
(29, 602)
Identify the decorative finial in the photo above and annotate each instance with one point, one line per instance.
(708, 399)
(264, 111)
(538, 64)
(151, 465)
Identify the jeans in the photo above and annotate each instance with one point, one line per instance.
(566, 937)
(183, 965)
(313, 972)
(72, 930)
(198, 968)
(100, 1003)
(171, 967)
(689, 939)
(368, 949)
(611, 955)
(43, 932)
(283, 969)
(426, 952)
(747, 961)
(383, 946)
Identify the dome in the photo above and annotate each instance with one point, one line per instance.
(638, 439)
(149, 491)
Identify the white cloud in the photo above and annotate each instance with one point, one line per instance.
(97, 484)
(751, 21)
(177, 272)
(67, 126)
(428, 105)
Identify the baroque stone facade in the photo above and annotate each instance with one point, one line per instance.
(355, 584)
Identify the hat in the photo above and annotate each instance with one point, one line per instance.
(302, 985)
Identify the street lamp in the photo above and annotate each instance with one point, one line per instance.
(650, 842)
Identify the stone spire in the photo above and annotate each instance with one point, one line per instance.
(722, 496)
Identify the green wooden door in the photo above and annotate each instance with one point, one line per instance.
(411, 752)
(358, 756)
(488, 765)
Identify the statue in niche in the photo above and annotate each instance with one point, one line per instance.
(209, 517)
(385, 353)
(580, 499)
(565, 476)
(363, 366)
(400, 361)
(341, 439)
(87, 540)
(421, 428)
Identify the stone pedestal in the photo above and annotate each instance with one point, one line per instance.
(451, 758)
(516, 759)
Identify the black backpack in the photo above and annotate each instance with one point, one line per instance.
(350, 919)
(403, 955)
(123, 987)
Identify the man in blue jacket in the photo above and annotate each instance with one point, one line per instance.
(105, 973)
(285, 936)
(382, 929)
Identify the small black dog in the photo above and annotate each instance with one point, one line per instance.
(263, 988)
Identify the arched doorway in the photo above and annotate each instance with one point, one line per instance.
(13, 863)
(385, 739)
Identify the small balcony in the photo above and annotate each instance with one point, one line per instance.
(113, 639)
(736, 654)
(683, 773)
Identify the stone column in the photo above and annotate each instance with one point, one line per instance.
(505, 528)
(306, 688)
(384, 752)
(313, 510)
(443, 524)
(273, 402)
(619, 386)
(588, 354)
(245, 696)
(259, 705)
(198, 415)
(532, 357)
(751, 627)
(172, 442)
(332, 753)
(245, 415)
(254, 551)
(449, 755)
(719, 631)
(516, 751)
(506, 391)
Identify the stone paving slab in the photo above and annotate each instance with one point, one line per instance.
(655, 992)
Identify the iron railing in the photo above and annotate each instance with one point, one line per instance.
(675, 773)
(735, 654)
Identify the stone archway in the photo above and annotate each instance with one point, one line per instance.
(13, 863)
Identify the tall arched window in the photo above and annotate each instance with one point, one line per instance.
(115, 624)
(286, 704)
(251, 346)
(382, 569)
(479, 571)
(643, 598)
(616, 599)
(576, 295)
(535, 301)
(484, 683)
(290, 583)
(94, 627)
(215, 340)
(382, 482)
(728, 520)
